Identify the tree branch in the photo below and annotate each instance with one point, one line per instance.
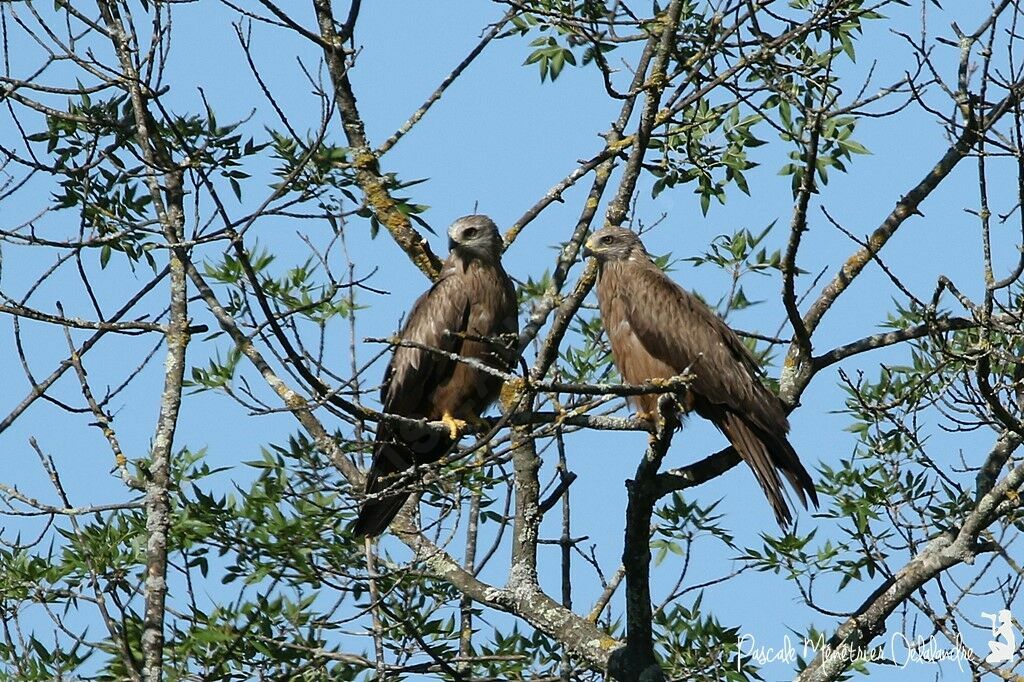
(637, 661)
(946, 550)
(364, 160)
(449, 79)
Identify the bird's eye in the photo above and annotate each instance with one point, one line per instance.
(607, 240)
(469, 233)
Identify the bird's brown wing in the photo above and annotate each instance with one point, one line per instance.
(409, 382)
(491, 323)
(679, 329)
(635, 363)
(414, 372)
(676, 328)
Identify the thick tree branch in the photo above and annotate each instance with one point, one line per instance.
(158, 508)
(366, 163)
(168, 200)
(522, 599)
(948, 549)
(637, 660)
(526, 523)
(797, 370)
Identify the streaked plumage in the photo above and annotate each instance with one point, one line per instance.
(658, 330)
(473, 296)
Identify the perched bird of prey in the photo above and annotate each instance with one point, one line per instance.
(658, 330)
(466, 312)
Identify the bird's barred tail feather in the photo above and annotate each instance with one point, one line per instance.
(767, 455)
(375, 515)
(392, 456)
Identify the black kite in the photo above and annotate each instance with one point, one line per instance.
(659, 330)
(473, 299)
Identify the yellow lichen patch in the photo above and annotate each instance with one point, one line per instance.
(608, 643)
(621, 144)
(424, 263)
(511, 390)
(511, 235)
(878, 239)
(364, 158)
(382, 203)
(856, 263)
(396, 222)
(657, 81)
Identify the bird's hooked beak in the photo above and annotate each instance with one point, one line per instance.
(452, 243)
(587, 250)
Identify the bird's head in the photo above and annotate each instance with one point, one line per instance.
(475, 235)
(614, 244)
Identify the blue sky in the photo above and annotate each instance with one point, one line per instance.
(498, 140)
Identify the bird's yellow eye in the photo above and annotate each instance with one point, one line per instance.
(607, 240)
(469, 233)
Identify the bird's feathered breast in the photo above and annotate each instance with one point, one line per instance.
(471, 297)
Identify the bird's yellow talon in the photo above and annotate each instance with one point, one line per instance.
(455, 426)
(646, 417)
